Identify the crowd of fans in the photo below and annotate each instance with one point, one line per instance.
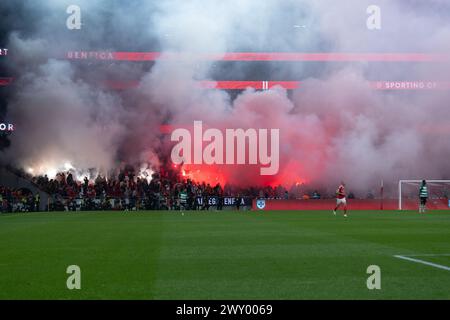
(126, 190)
(18, 200)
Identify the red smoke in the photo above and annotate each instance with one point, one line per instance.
(240, 175)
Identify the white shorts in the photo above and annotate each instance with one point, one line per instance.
(341, 201)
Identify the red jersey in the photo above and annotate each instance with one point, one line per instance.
(340, 193)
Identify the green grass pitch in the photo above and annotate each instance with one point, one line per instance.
(224, 255)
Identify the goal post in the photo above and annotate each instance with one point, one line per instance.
(408, 190)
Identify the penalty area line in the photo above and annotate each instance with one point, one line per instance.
(439, 266)
(430, 255)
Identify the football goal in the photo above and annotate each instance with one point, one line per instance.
(438, 194)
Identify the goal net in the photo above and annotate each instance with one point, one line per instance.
(438, 194)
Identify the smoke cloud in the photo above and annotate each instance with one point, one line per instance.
(334, 127)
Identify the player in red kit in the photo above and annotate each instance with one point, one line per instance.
(340, 199)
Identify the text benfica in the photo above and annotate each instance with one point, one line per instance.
(234, 148)
(97, 55)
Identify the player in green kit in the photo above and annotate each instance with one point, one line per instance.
(423, 195)
(183, 199)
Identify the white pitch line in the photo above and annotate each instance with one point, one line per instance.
(423, 262)
(429, 255)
